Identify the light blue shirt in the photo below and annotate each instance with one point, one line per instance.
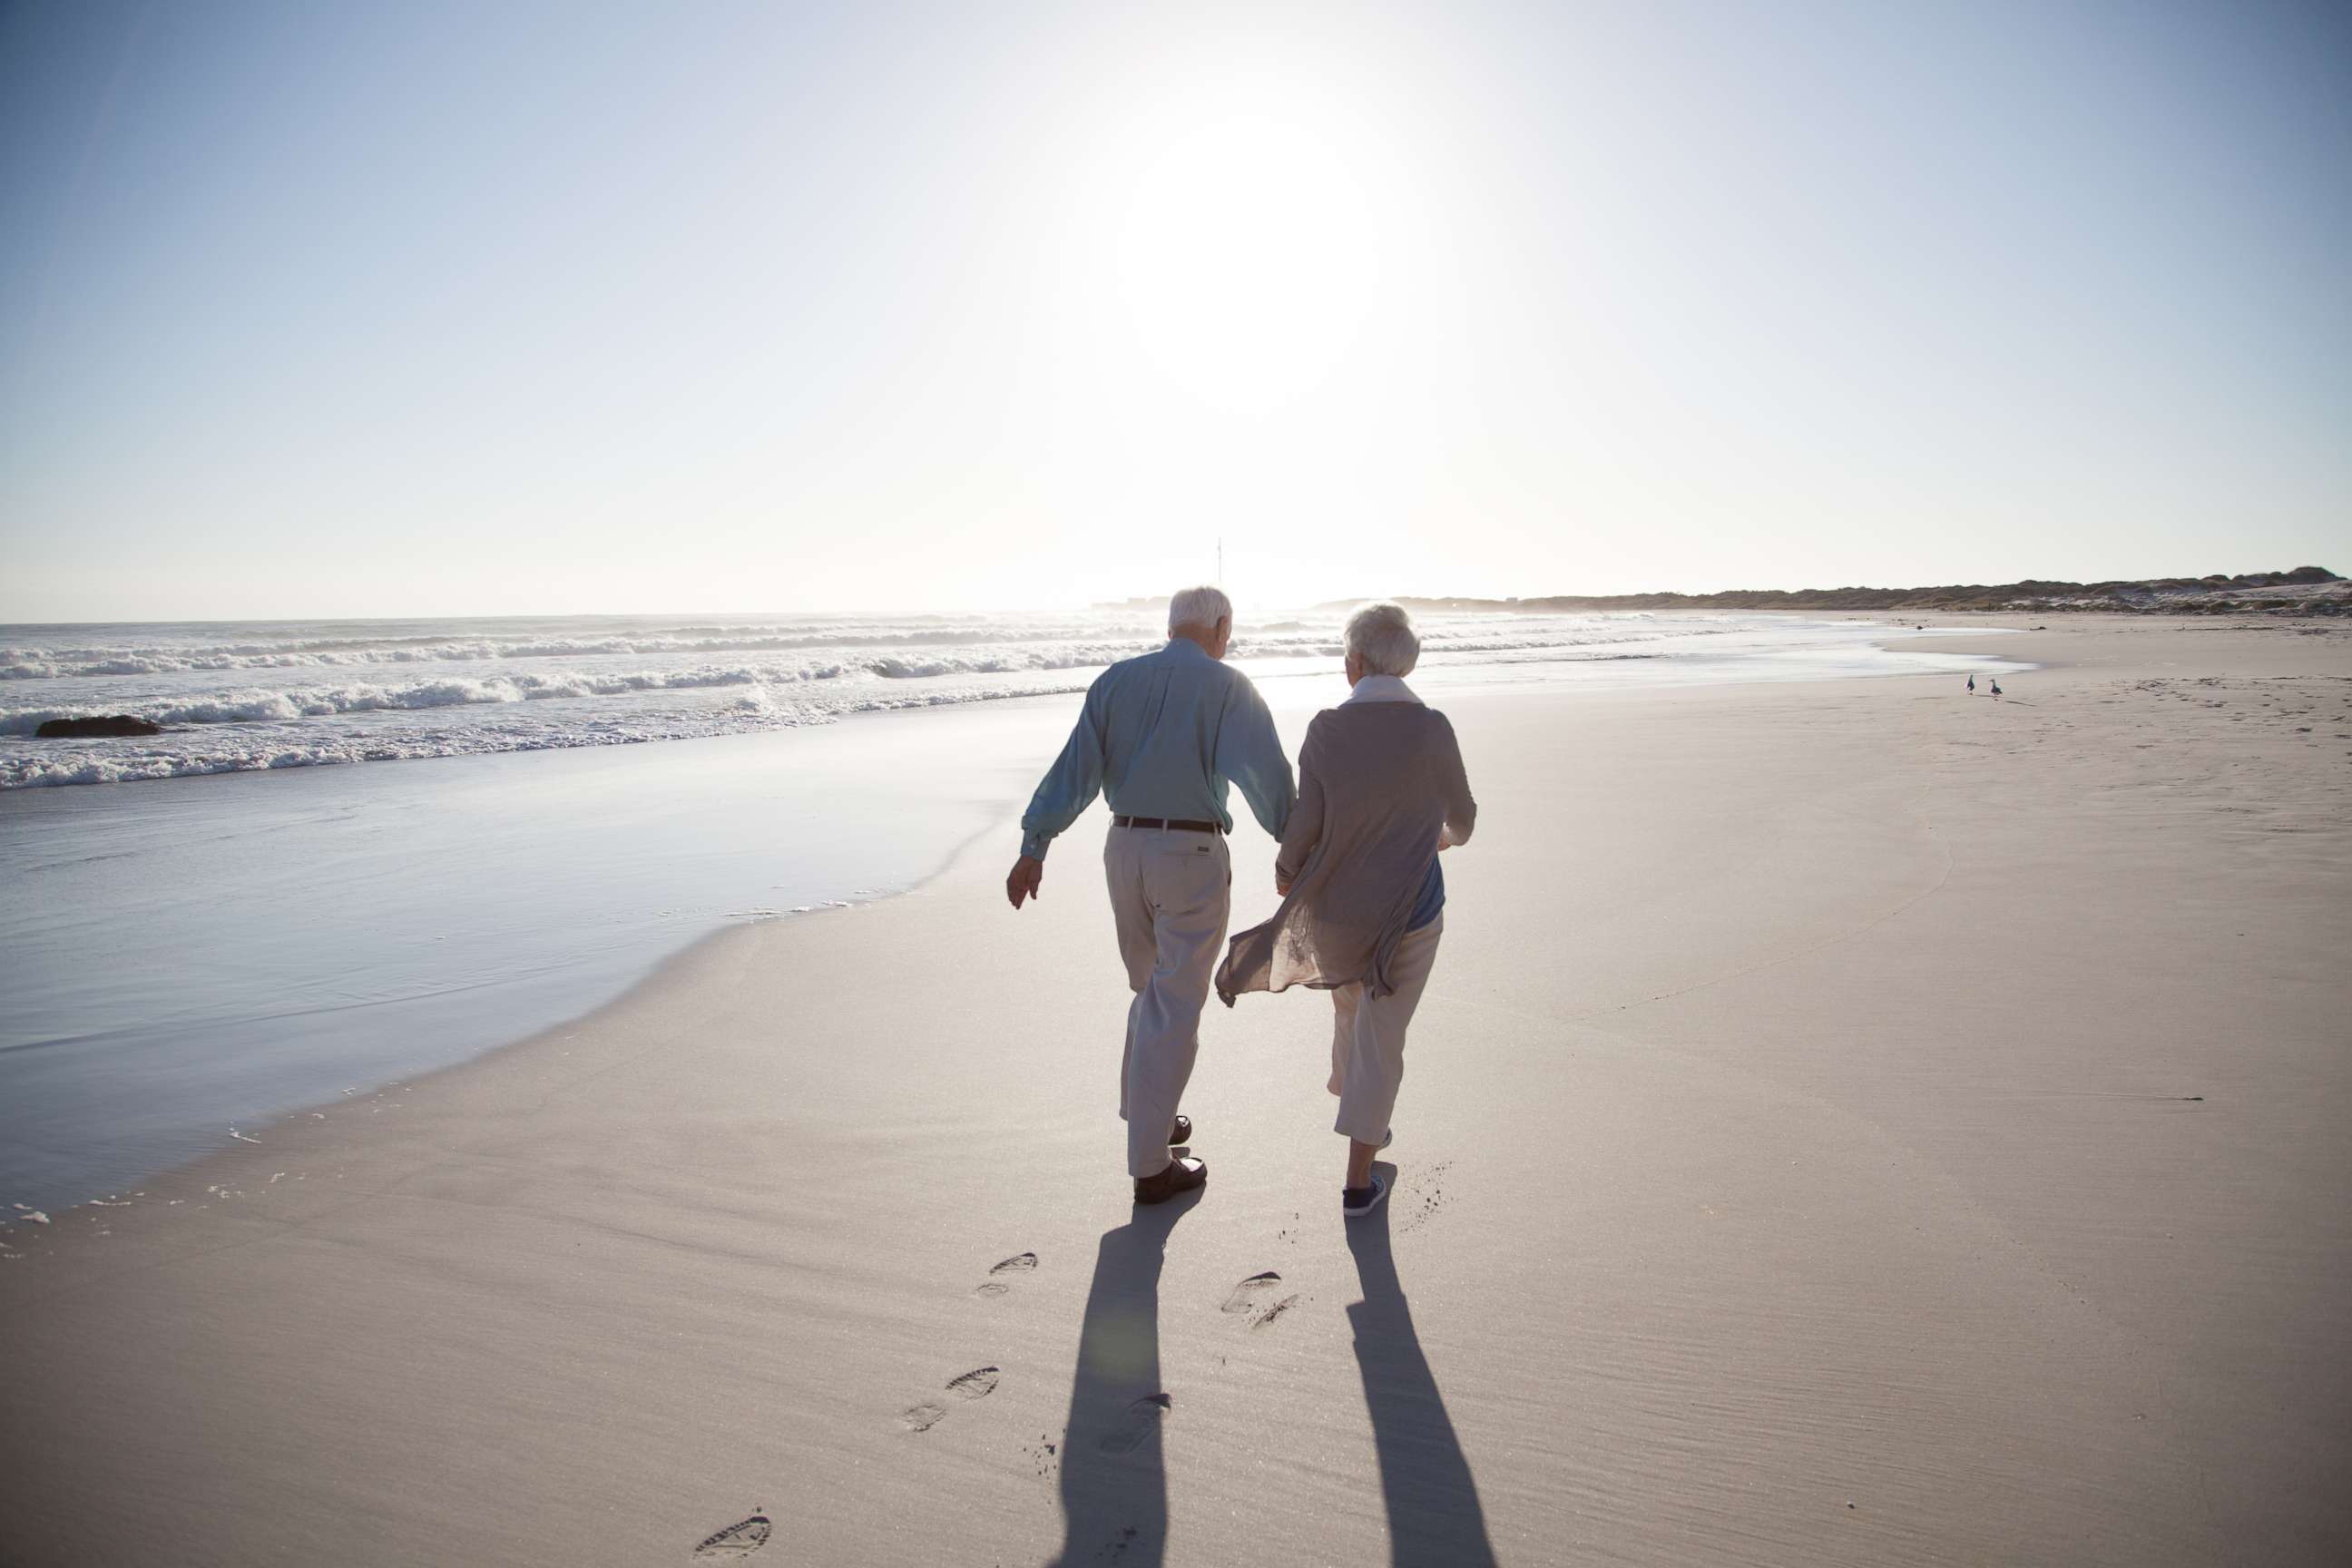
(1163, 735)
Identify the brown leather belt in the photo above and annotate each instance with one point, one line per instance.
(1170, 821)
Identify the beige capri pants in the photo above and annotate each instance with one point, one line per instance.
(1368, 1037)
(1170, 890)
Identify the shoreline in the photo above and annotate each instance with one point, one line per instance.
(409, 996)
(707, 841)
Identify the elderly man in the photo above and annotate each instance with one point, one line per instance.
(1163, 735)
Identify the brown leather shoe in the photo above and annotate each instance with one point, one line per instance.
(1179, 1130)
(1181, 1176)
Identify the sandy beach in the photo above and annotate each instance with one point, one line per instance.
(1850, 1122)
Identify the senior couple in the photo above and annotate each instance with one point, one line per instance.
(1381, 791)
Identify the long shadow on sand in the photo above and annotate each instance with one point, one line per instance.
(1114, 1478)
(1434, 1517)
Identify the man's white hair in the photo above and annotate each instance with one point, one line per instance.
(1381, 638)
(1203, 607)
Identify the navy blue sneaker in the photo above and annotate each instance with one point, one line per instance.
(1357, 1201)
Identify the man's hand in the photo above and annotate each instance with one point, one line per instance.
(1281, 884)
(1027, 872)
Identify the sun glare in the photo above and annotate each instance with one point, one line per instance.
(1249, 260)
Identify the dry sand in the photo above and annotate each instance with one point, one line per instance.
(1850, 1123)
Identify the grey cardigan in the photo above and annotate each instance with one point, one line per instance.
(1376, 780)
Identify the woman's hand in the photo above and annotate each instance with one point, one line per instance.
(1281, 885)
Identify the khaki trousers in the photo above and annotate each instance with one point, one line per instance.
(1169, 891)
(1368, 1037)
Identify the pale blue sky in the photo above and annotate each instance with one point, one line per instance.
(470, 308)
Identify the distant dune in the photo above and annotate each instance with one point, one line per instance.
(2307, 590)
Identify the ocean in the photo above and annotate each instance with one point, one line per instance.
(360, 850)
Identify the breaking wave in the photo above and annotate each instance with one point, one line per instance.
(233, 697)
(161, 757)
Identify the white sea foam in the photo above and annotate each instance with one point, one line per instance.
(289, 695)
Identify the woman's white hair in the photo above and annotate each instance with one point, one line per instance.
(1203, 607)
(1381, 638)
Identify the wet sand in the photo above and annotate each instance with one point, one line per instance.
(1849, 1123)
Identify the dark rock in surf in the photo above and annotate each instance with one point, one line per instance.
(84, 729)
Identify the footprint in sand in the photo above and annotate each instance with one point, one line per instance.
(1258, 1300)
(1250, 1292)
(1139, 1422)
(736, 1540)
(996, 1284)
(1271, 1313)
(977, 1384)
(1136, 1423)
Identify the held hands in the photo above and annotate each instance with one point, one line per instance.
(1281, 884)
(1023, 883)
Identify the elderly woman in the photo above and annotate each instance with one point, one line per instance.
(1380, 792)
